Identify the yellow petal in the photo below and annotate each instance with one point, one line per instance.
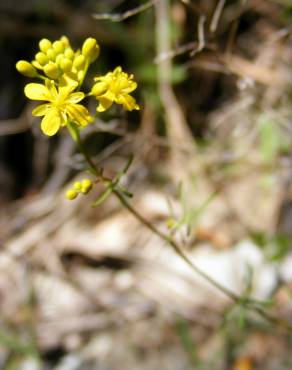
(75, 97)
(37, 92)
(79, 114)
(130, 86)
(68, 79)
(50, 85)
(117, 70)
(51, 122)
(36, 64)
(41, 110)
(128, 102)
(104, 104)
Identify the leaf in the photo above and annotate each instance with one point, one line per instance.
(103, 197)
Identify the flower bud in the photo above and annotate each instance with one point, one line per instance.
(86, 186)
(51, 53)
(51, 70)
(26, 68)
(99, 88)
(90, 49)
(42, 58)
(66, 64)
(58, 46)
(80, 75)
(77, 185)
(71, 194)
(59, 58)
(69, 53)
(45, 45)
(64, 40)
(79, 62)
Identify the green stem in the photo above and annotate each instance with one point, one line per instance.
(168, 239)
(84, 74)
(246, 302)
(87, 157)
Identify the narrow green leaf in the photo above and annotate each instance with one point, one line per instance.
(103, 196)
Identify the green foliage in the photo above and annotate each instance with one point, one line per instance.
(114, 184)
(148, 73)
(185, 336)
(190, 216)
(272, 139)
(275, 246)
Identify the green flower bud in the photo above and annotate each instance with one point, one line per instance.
(90, 49)
(42, 58)
(71, 194)
(26, 68)
(51, 70)
(45, 45)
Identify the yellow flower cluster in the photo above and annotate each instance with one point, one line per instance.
(62, 71)
(79, 187)
(58, 60)
(115, 87)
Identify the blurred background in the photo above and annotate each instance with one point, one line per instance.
(91, 288)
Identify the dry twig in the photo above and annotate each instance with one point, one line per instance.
(118, 17)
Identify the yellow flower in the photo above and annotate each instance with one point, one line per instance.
(115, 87)
(61, 108)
